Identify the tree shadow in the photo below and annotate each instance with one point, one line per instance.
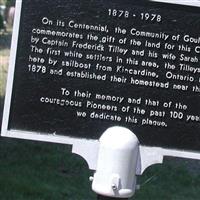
(1, 110)
(5, 40)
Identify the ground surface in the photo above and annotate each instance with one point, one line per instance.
(5, 40)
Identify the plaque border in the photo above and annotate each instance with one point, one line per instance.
(87, 148)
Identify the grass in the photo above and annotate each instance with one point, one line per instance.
(3, 74)
(4, 57)
(5, 41)
(42, 171)
(170, 181)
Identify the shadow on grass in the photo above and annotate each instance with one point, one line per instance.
(5, 40)
(41, 171)
(1, 110)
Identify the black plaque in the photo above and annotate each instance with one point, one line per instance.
(84, 66)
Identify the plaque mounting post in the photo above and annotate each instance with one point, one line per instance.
(115, 175)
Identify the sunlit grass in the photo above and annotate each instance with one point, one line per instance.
(3, 73)
(4, 61)
(4, 52)
(5, 41)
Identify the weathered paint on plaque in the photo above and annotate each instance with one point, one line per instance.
(84, 66)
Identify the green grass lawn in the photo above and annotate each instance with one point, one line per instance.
(5, 41)
(170, 181)
(40, 171)
(44, 171)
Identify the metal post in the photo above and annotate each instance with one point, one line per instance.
(115, 176)
(99, 197)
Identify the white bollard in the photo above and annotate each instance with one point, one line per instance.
(115, 175)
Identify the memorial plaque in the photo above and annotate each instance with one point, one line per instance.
(80, 67)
